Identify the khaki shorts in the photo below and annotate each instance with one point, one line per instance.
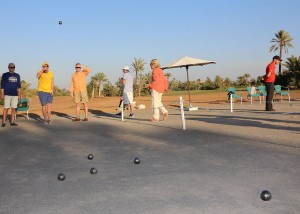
(10, 101)
(81, 97)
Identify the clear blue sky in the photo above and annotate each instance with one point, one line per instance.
(107, 35)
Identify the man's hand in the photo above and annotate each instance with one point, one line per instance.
(71, 94)
(39, 74)
(85, 69)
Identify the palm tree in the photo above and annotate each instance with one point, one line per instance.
(100, 78)
(282, 41)
(168, 76)
(293, 69)
(25, 87)
(293, 64)
(218, 82)
(138, 66)
(93, 84)
(243, 80)
(198, 84)
(227, 82)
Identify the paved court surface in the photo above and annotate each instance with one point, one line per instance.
(220, 164)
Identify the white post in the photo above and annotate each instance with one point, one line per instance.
(122, 110)
(182, 113)
(231, 110)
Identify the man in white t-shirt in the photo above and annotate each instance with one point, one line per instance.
(127, 82)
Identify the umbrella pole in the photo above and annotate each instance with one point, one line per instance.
(188, 84)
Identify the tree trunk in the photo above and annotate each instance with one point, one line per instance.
(139, 85)
(136, 83)
(280, 55)
(99, 92)
(93, 92)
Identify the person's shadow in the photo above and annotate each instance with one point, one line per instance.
(99, 113)
(60, 114)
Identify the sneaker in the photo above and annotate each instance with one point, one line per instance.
(76, 119)
(85, 119)
(3, 125)
(131, 115)
(13, 124)
(119, 114)
(165, 116)
(119, 109)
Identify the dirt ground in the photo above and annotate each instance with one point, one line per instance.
(108, 104)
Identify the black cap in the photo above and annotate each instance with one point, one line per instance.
(277, 57)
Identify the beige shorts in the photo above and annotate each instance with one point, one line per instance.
(81, 97)
(10, 101)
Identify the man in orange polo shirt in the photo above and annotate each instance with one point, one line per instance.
(269, 82)
(78, 90)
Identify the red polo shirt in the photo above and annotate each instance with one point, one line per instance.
(270, 69)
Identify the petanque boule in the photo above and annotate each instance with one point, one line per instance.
(93, 171)
(61, 177)
(90, 157)
(137, 161)
(60, 22)
(265, 195)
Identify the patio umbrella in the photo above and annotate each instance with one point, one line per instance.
(187, 62)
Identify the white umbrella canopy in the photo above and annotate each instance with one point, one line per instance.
(187, 62)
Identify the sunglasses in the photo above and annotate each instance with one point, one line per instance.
(77, 67)
(45, 65)
(11, 67)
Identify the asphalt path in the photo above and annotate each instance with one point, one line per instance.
(219, 164)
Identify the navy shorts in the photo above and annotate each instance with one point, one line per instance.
(45, 98)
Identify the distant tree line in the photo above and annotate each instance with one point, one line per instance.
(99, 85)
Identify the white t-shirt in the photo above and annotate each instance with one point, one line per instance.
(128, 86)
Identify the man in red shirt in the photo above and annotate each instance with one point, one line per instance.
(269, 82)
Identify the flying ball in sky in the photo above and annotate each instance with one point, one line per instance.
(60, 22)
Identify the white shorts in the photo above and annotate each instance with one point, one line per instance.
(128, 97)
(10, 101)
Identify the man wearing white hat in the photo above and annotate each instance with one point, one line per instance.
(127, 81)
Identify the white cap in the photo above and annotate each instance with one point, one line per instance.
(126, 68)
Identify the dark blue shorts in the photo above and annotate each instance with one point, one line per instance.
(45, 98)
